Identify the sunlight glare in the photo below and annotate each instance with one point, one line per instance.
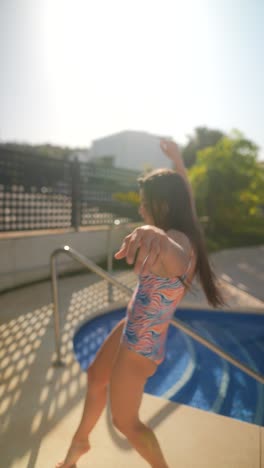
(130, 63)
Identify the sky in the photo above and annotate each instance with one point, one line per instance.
(76, 70)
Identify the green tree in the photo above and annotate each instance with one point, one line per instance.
(127, 197)
(202, 138)
(228, 184)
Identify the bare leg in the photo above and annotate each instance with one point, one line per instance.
(143, 439)
(128, 379)
(98, 378)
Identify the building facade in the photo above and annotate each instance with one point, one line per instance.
(130, 149)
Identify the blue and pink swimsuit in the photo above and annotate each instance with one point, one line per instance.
(149, 313)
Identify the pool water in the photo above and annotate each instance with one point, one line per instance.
(191, 373)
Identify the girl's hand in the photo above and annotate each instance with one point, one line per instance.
(170, 149)
(149, 242)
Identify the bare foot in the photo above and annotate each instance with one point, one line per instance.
(76, 450)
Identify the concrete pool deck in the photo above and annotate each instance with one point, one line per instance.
(41, 405)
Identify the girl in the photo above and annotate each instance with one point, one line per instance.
(167, 251)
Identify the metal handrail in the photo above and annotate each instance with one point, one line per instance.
(101, 272)
(208, 344)
(117, 225)
(86, 263)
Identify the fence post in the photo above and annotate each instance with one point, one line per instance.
(115, 224)
(76, 194)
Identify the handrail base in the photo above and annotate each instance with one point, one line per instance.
(58, 363)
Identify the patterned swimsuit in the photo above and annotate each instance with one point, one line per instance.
(149, 313)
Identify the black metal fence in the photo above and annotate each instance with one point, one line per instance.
(39, 192)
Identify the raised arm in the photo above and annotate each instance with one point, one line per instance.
(171, 150)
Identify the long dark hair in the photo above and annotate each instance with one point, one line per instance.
(168, 200)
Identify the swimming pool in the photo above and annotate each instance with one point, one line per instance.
(192, 374)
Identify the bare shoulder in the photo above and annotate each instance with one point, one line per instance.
(188, 250)
(182, 240)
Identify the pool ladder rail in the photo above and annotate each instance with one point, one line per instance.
(92, 266)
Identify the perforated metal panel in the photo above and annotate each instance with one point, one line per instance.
(98, 185)
(37, 192)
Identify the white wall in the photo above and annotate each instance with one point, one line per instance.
(26, 259)
(132, 150)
